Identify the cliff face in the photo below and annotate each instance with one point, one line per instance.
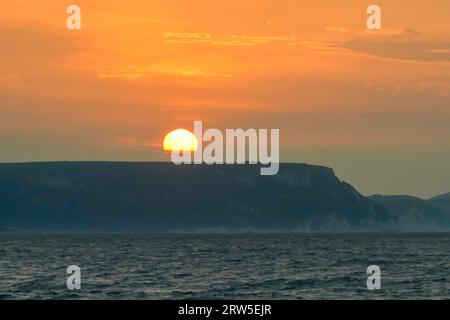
(415, 214)
(110, 196)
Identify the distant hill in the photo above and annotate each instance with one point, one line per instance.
(118, 196)
(415, 214)
(442, 199)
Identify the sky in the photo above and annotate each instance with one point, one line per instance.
(372, 104)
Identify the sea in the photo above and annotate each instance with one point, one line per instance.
(224, 266)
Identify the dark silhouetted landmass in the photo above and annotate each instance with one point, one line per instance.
(122, 196)
(415, 214)
(443, 199)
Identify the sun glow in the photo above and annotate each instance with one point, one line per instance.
(180, 140)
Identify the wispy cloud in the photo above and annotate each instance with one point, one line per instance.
(229, 40)
(384, 32)
(391, 32)
(401, 50)
(132, 73)
(440, 88)
(187, 37)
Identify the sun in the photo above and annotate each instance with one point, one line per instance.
(180, 140)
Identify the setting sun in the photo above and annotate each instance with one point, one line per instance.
(180, 140)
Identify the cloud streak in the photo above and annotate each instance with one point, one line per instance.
(226, 41)
(401, 50)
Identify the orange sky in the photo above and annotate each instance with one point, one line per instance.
(374, 105)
